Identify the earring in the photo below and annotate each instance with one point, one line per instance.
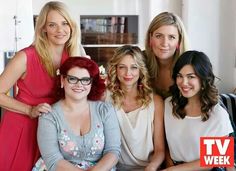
(117, 86)
(177, 47)
(62, 86)
(150, 43)
(140, 86)
(180, 94)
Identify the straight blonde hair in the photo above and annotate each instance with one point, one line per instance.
(41, 42)
(163, 19)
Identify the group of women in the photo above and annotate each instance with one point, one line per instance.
(143, 116)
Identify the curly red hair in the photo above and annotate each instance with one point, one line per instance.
(98, 85)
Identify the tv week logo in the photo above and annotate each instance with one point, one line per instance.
(217, 151)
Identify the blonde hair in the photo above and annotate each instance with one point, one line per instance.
(40, 38)
(113, 85)
(163, 19)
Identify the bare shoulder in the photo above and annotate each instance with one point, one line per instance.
(158, 99)
(21, 55)
(18, 62)
(19, 58)
(158, 108)
(13, 71)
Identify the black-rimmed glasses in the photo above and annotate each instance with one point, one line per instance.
(74, 80)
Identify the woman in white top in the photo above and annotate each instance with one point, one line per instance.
(193, 111)
(139, 111)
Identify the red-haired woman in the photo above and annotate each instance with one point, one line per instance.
(81, 132)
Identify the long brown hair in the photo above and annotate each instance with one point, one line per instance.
(208, 93)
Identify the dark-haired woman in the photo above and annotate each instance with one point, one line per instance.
(81, 132)
(193, 111)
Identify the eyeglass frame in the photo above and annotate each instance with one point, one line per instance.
(78, 80)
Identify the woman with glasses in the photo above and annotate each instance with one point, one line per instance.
(139, 111)
(81, 132)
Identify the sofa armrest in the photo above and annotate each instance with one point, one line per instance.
(229, 101)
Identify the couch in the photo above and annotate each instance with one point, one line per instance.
(229, 101)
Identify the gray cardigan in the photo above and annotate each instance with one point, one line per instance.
(57, 141)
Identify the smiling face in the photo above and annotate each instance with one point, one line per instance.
(164, 41)
(57, 28)
(188, 82)
(128, 72)
(79, 89)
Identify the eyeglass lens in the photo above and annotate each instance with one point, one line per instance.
(74, 80)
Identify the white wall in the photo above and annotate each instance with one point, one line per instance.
(158, 6)
(211, 28)
(102, 7)
(23, 31)
(145, 9)
(211, 25)
(149, 9)
(7, 11)
(227, 48)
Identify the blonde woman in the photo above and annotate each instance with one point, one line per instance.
(33, 69)
(139, 111)
(165, 41)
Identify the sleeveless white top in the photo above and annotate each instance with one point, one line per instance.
(136, 134)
